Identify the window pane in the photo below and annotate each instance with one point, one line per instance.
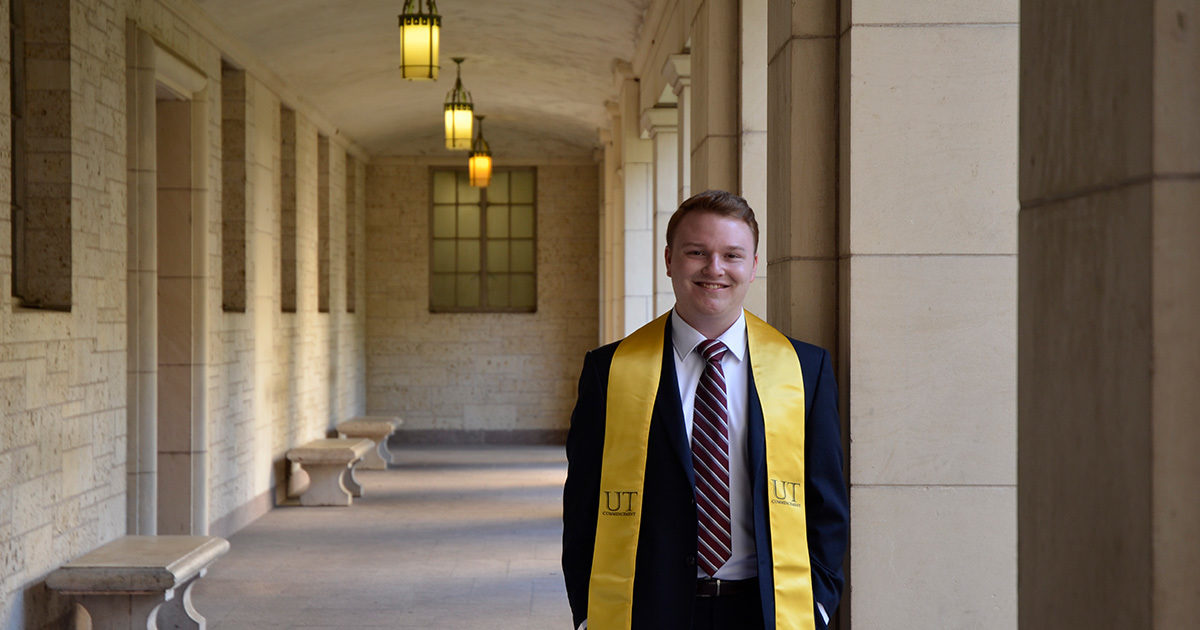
(498, 188)
(497, 286)
(443, 255)
(468, 256)
(497, 221)
(443, 221)
(522, 255)
(522, 291)
(483, 262)
(522, 187)
(497, 256)
(468, 221)
(443, 187)
(522, 222)
(468, 290)
(441, 293)
(466, 192)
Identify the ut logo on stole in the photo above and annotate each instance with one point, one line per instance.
(619, 503)
(786, 492)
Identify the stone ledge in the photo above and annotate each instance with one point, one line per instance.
(138, 564)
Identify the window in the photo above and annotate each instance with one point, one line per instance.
(40, 87)
(484, 251)
(287, 210)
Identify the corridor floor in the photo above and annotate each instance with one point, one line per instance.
(447, 538)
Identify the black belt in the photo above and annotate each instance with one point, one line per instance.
(714, 587)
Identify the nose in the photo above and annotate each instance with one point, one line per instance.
(712, 265)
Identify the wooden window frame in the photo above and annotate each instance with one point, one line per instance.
(483, 240)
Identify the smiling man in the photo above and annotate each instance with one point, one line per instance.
(704, 485)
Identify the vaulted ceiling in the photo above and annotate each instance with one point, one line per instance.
(539, 70)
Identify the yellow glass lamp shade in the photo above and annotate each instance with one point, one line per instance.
(419, 41)
(479, 165)
(460, 112)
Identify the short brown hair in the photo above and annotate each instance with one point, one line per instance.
(718, 202)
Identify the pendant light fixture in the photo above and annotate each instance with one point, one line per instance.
(479, 166)
(419, 40)
(459, 112)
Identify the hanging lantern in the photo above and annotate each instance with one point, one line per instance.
(419, 40)
(479, 166)
(459, 112)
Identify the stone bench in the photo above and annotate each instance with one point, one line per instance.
(326, 470)
(374, 428)
(140, 581)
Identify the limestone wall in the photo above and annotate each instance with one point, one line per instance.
(478, 376)
(265, 379)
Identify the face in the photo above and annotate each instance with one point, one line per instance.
(711, 264)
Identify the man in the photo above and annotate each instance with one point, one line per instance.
(704, 485)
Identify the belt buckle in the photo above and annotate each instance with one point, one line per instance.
(718, 581)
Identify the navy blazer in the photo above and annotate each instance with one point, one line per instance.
(665, 575)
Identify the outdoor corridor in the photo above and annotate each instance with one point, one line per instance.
(465, 537)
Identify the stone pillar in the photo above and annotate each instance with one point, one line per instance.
(714, 106)
(614, 234)
(926, 201)
(678, 72)
(802, 249)
(637, 157)
(1109, 347)
(608, 161)
(142, 285)
(752, 163)
(660, 124)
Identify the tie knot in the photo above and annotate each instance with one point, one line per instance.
(713, 350)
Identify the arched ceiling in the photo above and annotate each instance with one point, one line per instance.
(539, 70)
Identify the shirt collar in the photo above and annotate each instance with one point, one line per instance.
(685, 338)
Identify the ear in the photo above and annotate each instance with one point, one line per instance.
(754, 269)
(667, 256)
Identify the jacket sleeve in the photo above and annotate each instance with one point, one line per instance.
(826, 503)
(581, 493)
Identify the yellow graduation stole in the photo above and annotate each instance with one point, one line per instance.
(632, 387)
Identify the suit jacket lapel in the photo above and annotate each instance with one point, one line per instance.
(756, 441)
(669, 409)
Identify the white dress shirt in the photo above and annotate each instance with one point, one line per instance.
(689, 366)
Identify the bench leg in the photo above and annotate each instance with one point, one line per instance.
(179, 613)
(377, 458)
(385, 453)
(123, 612)
(351, 481)
(325, 486)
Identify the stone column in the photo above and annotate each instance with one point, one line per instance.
(927, 243)
(637, 157)
(660, 124)
(678, 72)
(608, 175)
(752, 163)
(142, 285)
(1109, 346)
(613, 230)
(802, 250)
(714, 106)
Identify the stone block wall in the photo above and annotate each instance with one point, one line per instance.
(464, 377)
(269, 379)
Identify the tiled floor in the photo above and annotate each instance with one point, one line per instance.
(448, 538)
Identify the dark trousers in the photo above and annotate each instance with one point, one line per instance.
(739, 611)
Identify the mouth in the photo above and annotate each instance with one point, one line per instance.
(711, 286)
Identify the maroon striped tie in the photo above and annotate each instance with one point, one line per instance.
(710, 458)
